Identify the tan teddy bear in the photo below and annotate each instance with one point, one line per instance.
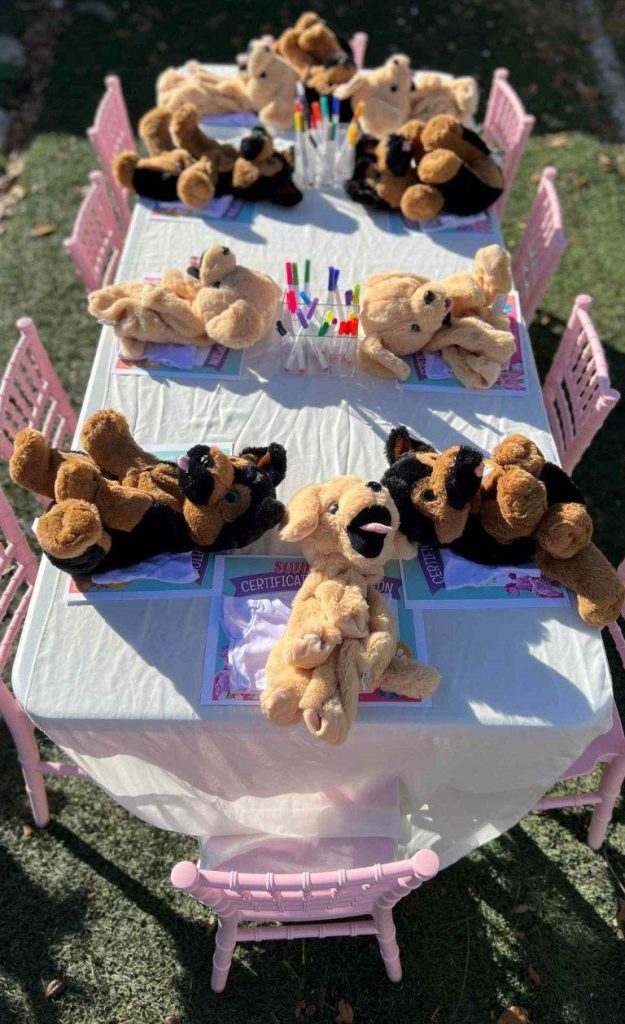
(385, 93)
(213, 95)
(341, 636)
(308, 43)
(218, 301)
(435, 95)
(404, 313)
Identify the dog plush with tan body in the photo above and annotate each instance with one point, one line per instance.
(341, 636)
(404, 313)
(216, 302)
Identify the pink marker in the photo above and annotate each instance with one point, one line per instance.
(291, 301)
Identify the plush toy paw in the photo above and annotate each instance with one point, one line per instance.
(310, 650)
(438, 167)
(421, 202)
(329, 723)
(196, 185)
(281, 704)
(517, 450)
(353, 619)
(410, 678)
(565, 530)
(69, 529)
(522, 500)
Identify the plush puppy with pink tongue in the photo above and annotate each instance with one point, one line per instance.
(341, 637)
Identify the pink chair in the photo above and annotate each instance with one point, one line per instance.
(18, 570)
(96, 241)
(507, 127)
(358, 46)
(608, 750)
(577, 391)
(307, 904)
(31, 394)
(110, 133)
(540, 250)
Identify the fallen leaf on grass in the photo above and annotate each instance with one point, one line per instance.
(27, 831)
(172, 1018)
(55, 988)
(521, 908)
(580, 181)
(346, 1013)
(514, 1015)
(534, 976)
(10, 199)
(43, 229)
(606, 161)
(619, 920)
(558, 141)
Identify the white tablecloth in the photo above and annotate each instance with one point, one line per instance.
(118, 686)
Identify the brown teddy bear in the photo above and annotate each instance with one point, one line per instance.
(183, 164)
(340, 636)
(404, 313)
(116, 504)
(444, 168)
(260, 172)
(218, 301)
(322, 61)
(525, 508)
(213, 95)
(385, 93)
(433, 95)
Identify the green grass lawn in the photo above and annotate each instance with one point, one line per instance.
(89, 898)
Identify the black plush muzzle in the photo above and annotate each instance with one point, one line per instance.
(368, 530)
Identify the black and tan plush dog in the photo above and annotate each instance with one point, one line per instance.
(524, 509)
(116, 504)
(261, 172)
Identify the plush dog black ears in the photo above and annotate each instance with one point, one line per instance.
(270, 460)
(401, 443)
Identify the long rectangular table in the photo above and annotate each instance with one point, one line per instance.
(117, 686)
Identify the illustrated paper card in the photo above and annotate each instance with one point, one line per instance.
(430, 372)
(441, 579)
(222, 208)
(178, 360)
(251, 605)
(184, 574)
(484, 224)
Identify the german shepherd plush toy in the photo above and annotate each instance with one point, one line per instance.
(523, 509)
(115, 504)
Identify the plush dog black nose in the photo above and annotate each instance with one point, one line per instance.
(373, 485)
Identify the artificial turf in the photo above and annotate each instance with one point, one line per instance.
(529, 919)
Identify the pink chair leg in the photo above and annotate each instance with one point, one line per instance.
(609, 789)
(23, 732)
(224, 947)
(383, 919)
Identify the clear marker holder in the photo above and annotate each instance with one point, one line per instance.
(304, 352)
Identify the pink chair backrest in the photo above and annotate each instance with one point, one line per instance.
(358, 46)
(577, 391)
(540, 250)
(507, 127)
(96, 241)
(18, 571)
(31, 394)
(110, 133)
(306, 895)
(614, 627)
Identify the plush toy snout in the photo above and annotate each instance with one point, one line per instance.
(252, 146)
(215, 263)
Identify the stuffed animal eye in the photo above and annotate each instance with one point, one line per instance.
(263, 74)
(428, 298)
(216, 284)
(232, 497)
(333, 508)
(225, 250)
(394, 88)
(428, 495)
(415, 328)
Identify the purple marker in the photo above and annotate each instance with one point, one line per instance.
(330, 278)
(348, 297)
(335, 279)
(311, 312)
(302, 319)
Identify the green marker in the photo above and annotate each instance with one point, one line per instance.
(295, 275)
(306, 273)
(325, 327)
